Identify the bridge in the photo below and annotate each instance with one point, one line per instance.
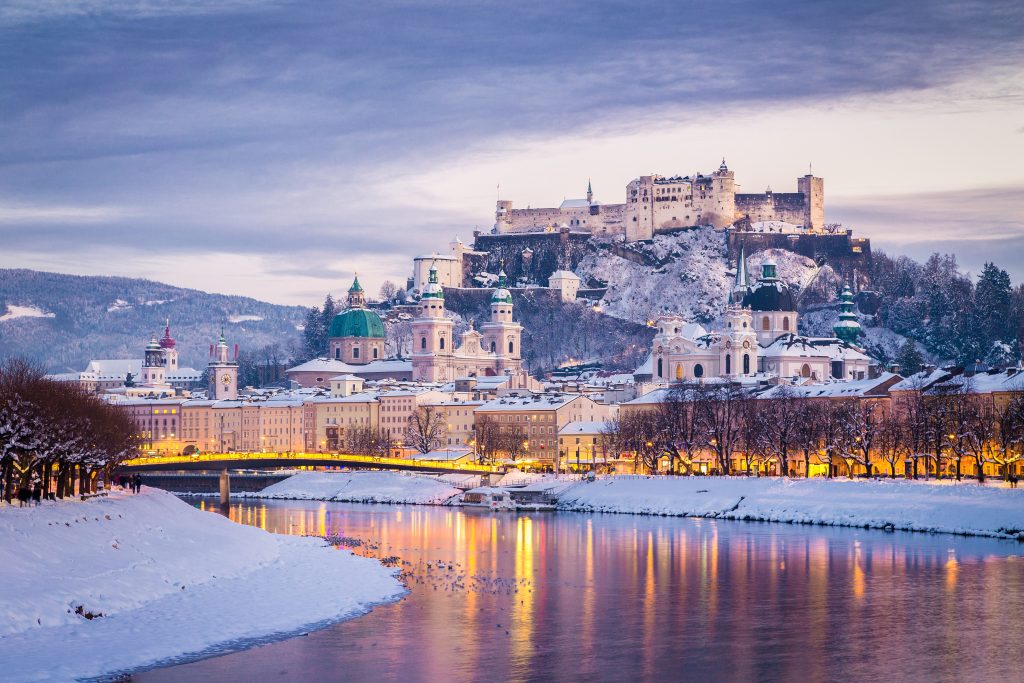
(248, 461)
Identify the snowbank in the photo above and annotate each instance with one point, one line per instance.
(171, 582)
(361, 487)
(913, 506)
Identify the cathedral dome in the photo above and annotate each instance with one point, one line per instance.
(357, 322)
(770, 296)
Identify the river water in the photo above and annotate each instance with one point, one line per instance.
(546, 596)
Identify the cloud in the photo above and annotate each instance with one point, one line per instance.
(978, 225)
(304, 137)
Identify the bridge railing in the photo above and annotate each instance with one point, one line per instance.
(326, 458)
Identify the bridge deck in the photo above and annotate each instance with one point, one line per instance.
(235, 461)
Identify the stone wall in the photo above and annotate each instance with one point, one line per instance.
(548, 252)
(842, 251)
(790, 207)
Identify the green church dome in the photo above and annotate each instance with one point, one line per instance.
(357, 322)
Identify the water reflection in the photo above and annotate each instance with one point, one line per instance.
(605, 597)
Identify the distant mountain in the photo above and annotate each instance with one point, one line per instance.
(63, 321)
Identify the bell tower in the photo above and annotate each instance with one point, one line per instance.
(502, 335)
(223, 372)
(432, 338)
(739, 343)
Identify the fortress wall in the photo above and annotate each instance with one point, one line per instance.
(562, 250)
(790, 207)
(841, 251)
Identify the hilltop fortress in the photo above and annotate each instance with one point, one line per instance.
(657, 204)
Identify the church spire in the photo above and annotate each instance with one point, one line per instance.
(741, 287)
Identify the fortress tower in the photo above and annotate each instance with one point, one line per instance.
(813, 190)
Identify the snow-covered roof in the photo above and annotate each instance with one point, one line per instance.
(839, 389)
(564, 274)
(449, 454)
(529, 402)
(654, 396)
(793, 346)
(346, 378)
(583, 427)
(361, 397)
(577, 203)
(338, 367)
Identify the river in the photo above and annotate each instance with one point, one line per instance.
(516, 597)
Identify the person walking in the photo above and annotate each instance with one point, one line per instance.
(138, 483)
(37, 493)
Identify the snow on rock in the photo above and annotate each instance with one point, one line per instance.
(688, 274)
(913, 506)
(361, 487)
(172, 583)
(685, 273)
(244, 318)
(14, 312)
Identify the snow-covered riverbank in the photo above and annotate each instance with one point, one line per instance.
(913, 506)
(361, 487)
(170, 581)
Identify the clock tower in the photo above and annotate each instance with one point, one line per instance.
(223, 372)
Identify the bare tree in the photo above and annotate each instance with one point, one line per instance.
(388, 290)
(488, 439)
(807, 435)
(866, 419)
(514, 442)
(781, 421)
(426, 429)
(1009, 446)
(722, 418)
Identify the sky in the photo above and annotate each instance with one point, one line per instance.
(271, 149)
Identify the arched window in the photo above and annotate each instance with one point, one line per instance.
(805, 371)
(492, 347)
(785, 324)
(660, 368)
(355, 352)
(510, 347)
(679, 372)
(337, 353)
(728, 365)
(698, 370)
(764, 323)
(375, 352)
(746, 364)
(442, 342)
(423, 343)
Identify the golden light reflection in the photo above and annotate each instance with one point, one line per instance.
(522, 611)
(952, 568)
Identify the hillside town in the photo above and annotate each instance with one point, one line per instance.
(755, 394)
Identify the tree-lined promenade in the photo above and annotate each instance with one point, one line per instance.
(952, 430)
(56, 438)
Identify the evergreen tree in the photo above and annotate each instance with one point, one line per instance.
(909, 358)
(312, 334)
(992, 301)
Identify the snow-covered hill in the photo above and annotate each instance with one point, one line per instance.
(686, 273)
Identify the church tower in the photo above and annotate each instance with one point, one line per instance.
(501, 335)
(223, 372)
(168, 344)
(739, 343)
(432, 335)
(741, 286)
(153, 369)
(847, 329)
